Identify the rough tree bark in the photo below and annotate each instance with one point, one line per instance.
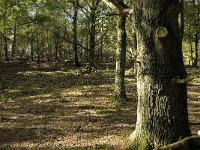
(162, 116)
(120, 92)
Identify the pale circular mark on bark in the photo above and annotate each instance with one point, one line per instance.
(161, 32)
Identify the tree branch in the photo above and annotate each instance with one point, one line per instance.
(121, 7)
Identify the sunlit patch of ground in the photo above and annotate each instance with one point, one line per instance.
(69, 109)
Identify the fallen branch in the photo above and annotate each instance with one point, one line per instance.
(178, 143)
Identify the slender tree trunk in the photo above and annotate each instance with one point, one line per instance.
(6, 46)
(69, 52)
(5, 39)
(191, 52)
(162, 116)
(196, 50)
(32, 52)
(81, 50)
(1, 47)
(120, 92)
(92, 38)
(75, 47)
(101, 44)
(49, 54)
(38, 51)
(101, 50)
(92, 42)
(87, 45)
(32, 46)
(14, 41)
(56, 49)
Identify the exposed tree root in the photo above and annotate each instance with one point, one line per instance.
(179, 143)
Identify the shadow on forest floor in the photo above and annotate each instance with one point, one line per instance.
(69, 108)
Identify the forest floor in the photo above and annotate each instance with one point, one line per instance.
(55, 107)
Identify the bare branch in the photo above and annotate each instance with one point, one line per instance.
(110, 3)
(121, 7)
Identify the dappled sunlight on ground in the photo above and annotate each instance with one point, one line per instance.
(45, 109)
(70, 109)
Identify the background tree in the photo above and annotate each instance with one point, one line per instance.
(75, 9)
(191, 36)
(92, 31)
(39, 29)
(120, 92)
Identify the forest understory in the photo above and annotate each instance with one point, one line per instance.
(57, 107)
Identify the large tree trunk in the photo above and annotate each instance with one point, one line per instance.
(162, 116)
(120, 92)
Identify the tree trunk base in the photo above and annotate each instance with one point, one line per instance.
(77, 64)
(121, 98)
(140, 142)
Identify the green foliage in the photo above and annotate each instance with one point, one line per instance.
(192, 19)
(42, 26)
